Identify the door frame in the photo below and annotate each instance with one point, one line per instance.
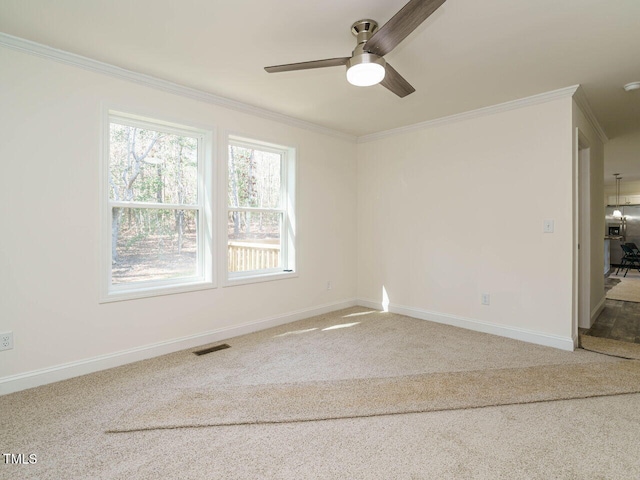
(582, 234)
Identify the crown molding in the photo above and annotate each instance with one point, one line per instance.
(61, 56)
(86, 63)
(480, 112)
(583, 103)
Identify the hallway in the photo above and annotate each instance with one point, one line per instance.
(619, 320)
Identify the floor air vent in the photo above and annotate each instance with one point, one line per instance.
(212, 349)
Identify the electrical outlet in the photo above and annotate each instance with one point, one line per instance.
(485, 299)
(329, 286)
(6, 340)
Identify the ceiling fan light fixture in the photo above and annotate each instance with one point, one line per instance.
(366, 66)
(365, 70)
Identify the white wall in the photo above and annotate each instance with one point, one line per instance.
(49, 206)
(449, 212)
(626, 188)
(436, 216)
(622, 156)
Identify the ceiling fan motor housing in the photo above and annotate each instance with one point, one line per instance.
(359, 58)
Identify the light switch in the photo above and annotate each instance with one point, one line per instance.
(548, 226)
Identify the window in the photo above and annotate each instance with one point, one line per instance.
(158, 226)
(260, 210)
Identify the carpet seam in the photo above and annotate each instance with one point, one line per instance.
(373, 415)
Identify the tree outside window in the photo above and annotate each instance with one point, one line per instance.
(155, 182)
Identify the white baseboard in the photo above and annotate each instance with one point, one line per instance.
(22, 381)
(563, 343)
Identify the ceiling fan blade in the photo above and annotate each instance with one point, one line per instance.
(401, 25)
(396, 82)
(329, 62)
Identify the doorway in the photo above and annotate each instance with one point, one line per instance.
(615, 319)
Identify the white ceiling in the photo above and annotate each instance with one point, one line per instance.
(467, 55)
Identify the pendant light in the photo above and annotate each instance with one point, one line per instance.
(617, 213)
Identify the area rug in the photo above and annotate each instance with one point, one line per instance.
(326, 400)
(627, 290)
(609, 346)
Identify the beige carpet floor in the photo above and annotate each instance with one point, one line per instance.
(330, 400)
(64, 424)
(628, 289)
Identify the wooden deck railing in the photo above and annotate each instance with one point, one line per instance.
(244, 256)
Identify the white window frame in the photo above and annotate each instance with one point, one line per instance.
(204, 278)
(288, 246)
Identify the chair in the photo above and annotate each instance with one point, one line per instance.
(630, 259)
(633, 247)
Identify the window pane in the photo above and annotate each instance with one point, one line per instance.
(254, 178)
(153, 244)
(254, 241)
(152, 166)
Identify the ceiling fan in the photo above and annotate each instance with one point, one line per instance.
(366, 65)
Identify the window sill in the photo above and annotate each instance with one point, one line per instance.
(156, 291)
(258, 278)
